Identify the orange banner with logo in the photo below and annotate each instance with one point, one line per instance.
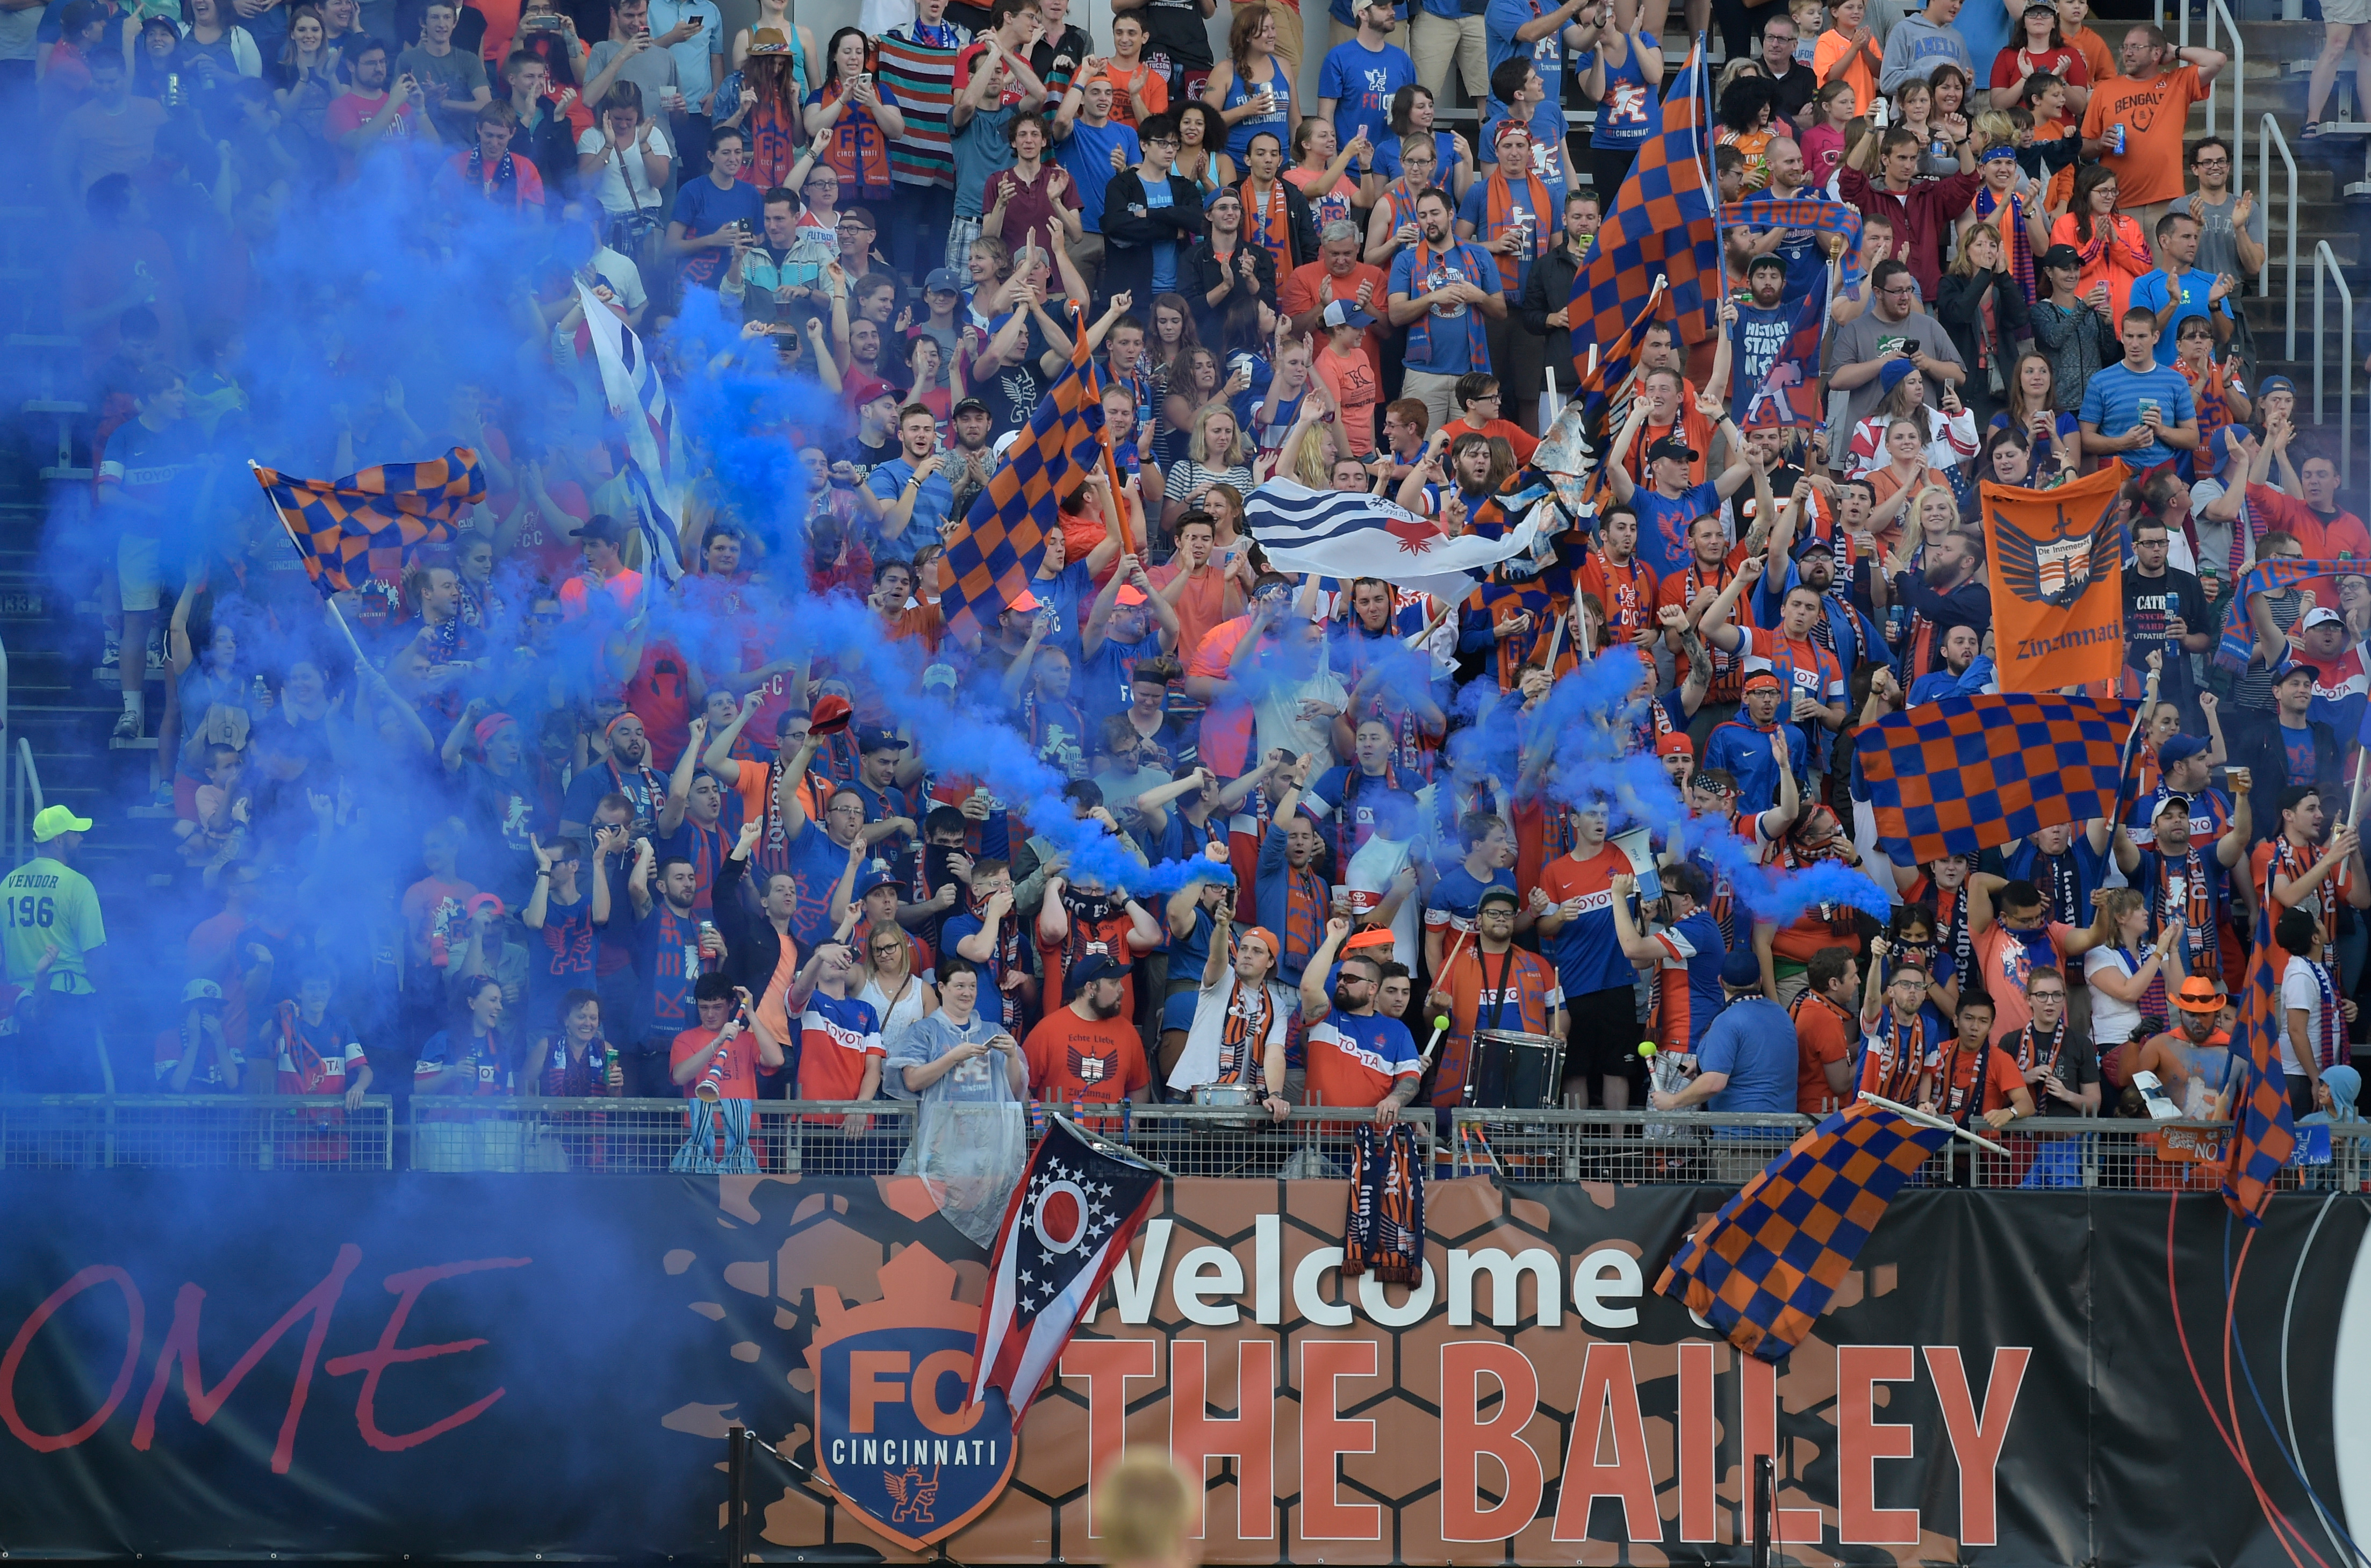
(2058, 559)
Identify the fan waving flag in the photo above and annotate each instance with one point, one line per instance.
(2058, 580)
(2266, 1135)
(1663, 224)
(638, 401)
(1769, 1263)
(1348, 534)
(1071, 1220)
(2238, 639)
(1963, 773)
(995, 551)
(369, 519)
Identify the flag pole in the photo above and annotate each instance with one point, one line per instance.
(2354, 803)
(298, 546)
(1925, 1120)
(1102, 433)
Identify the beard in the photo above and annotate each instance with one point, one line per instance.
(1101, 1012)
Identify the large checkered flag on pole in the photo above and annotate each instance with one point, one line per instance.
(1069, 1223)
(1662, 225)
(638, 401)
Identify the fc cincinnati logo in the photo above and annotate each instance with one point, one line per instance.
(893, 1434)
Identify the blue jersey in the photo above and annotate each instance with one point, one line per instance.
(1587, 949)
(1687, 982)
(1630, 107)
(1363, 82)
(815, 863)
(667, 956)
(1457, 899)
(559, 956)
(1744, 751)
(1663, 525)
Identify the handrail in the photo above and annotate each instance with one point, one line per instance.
(2325, 266)
(2268, 137)
(2235, 71)
(28, 782)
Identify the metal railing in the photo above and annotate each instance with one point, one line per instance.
(196, 1132)
(2326, 270)
(2268, 136)
(594, 1136)
(2236, 73)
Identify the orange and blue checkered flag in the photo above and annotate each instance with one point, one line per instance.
(1661, 225)
(2266, 1136)
(371, 517)
(1964, 773)
(1769, 1263)
(991, 557)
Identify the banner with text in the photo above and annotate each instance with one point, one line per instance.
(504, 1366)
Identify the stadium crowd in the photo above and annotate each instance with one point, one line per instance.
(566, 829)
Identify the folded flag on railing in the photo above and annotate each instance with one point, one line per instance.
(1069, 1223)
(1964, 773)
(1769, 1263)
(2238, 639)
(374, 517)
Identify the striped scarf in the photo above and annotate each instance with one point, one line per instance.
(2019, 244)
(2200, 949)
(1305, 907)
(2209, 390)
(1347, 837)
(1402, 203)
(1961, 1100)
(1267, 221)
(505, 179)
(1461, 260)
(1498, 212)
(2330, 1046)
(1241, 1033)
(775, 139)
(1007, 960)
(921, 71)
(1899, 1060)
(1728, 669)
(2027, 1053)
(1386, 1237)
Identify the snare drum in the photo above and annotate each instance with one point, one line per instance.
(1233, 1097)
(1510, 1070)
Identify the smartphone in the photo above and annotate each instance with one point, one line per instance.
(697, 23)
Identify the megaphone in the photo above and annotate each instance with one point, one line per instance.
(1637, 848)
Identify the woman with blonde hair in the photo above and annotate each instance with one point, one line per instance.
(2125, 980)
(1217, 453)
(1946, 436)
(898, 994)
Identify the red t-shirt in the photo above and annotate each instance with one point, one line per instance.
(1955, 1074)
(1098, 1061)
(660, 696)
(1822, 1034)
(1107, 936)
(739, 1079)
(2066, 65)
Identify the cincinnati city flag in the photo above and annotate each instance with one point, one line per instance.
(995, 550)
(1350, 534)
(1662, 226)
(367, 520)
(2058, 580)
(1069, 1223)
(1769, 1263)
(1962, 773)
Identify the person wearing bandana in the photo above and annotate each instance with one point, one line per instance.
(991, 935)
(2187, 882)
(2021, 938)
(624, 768)
(1897, 1036)
(1242, 1016)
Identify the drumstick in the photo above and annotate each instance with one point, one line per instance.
(1440, 1021)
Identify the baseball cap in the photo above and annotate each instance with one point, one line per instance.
(1129, 595)
(600, 526)
(1810, 542)
(1087, 970)
(1741, 971)
(829, 716)
(1027, 604)
(2321, 615)
(2176, 749)
(943, 280)
(2172, 803)
(2199, 995)
(485, 901)
(878, 738)
(54, 820)
(2063, 256)
(865, 389)
(1770, 260)
(969, 406)
(2271, 383)
(876, 873)
(1671, 446)
(938, 675)
(1342, 313)
(201, 991)
(2293, 667)
(1498, 894)
(1676, 743)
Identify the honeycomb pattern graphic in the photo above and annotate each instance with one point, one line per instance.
(784, 1244)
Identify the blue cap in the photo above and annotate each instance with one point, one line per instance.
(1741, 971)
(2292, 666)
(876, 873)
(2176, 749)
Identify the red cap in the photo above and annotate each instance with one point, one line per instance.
(1375, 936)
(862, 389)
(1675, 744)
(830, 716)
(1128, 595)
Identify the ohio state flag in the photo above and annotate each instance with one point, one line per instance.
(1069, 1225)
